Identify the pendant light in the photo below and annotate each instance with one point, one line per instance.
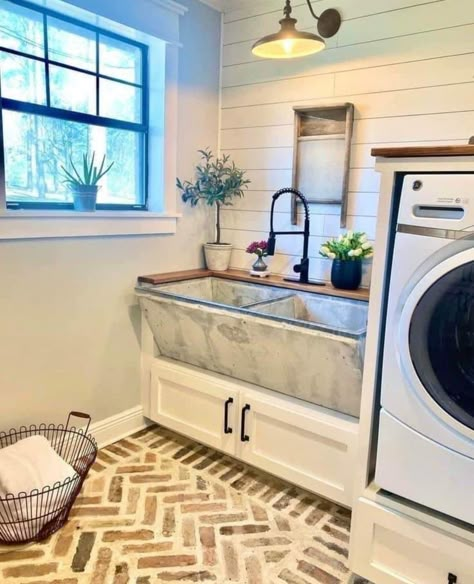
(289, 42)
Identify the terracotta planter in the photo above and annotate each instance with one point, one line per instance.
(346, 274)
(217, 256)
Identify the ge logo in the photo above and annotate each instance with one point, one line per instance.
(458, 200)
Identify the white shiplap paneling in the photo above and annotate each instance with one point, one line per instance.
(405, 102)
(407, 65)
(243, 10)
(395, 47)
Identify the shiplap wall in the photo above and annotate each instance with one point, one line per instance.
(408, 67)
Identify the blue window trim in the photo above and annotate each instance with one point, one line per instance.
(90, 119)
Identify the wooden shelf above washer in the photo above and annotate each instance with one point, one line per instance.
(423, 151)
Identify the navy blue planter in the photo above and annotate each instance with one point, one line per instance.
(346, 274)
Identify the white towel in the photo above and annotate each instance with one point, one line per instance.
(30, 464)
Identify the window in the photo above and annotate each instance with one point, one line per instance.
(68, 88)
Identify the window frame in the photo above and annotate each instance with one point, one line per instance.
(141, 128)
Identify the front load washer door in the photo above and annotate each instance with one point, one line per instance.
(437, 333)
(441, 341)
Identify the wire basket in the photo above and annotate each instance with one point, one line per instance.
(32, 517)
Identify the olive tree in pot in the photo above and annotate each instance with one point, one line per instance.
(218, 182)
(84, 187)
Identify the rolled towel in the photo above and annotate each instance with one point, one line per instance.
(27, 465)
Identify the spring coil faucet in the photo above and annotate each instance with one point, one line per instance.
(303, 267)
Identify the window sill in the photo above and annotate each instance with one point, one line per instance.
(23, 224)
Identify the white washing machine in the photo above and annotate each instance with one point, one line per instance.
(425, 449)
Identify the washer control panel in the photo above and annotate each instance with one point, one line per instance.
(444, 201)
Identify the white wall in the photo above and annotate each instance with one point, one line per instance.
(407, 65)
(69, 322)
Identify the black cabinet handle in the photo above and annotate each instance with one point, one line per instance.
(227, 429)
(243, 435)
(452, 578)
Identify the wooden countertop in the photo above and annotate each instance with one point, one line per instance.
(244, 276)
(420, 151)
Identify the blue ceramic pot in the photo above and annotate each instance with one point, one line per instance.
(346, 274)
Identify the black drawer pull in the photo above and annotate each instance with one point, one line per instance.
(227, 429)
(452, 578)
(243, 435)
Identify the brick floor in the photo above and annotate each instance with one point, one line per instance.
(160, 508)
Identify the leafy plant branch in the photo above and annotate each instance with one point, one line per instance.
(218, 181)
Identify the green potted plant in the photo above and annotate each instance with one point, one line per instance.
(218, 181)
(347, 253)
(84, 187)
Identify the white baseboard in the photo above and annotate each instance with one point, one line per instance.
(119, 426)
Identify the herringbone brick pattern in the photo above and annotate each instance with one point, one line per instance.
(160, 508)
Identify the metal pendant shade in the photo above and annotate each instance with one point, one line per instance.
(289, 43)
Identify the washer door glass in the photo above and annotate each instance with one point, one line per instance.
(441, 341)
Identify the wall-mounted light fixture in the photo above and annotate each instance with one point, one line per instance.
(289, 43)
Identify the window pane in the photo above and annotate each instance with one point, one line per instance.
(72, 90)
(120, 60)
(71, 44)
(123, 183)
(36, 147)
(21, 29)
(120, 101)
(22, 78)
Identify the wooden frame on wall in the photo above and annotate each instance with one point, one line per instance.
(321, 155)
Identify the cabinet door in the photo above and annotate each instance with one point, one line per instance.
(391, 548)
(198, 405)
(306, 445)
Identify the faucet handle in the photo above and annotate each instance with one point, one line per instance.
(303, 266)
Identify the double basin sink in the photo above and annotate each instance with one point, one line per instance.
(306, 345)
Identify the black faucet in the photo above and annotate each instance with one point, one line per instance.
(303, 267)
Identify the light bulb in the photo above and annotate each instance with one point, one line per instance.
(288, 46)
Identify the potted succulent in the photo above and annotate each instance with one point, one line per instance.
(84, 187)
(218, 182)
(347, 253)
(259, 248)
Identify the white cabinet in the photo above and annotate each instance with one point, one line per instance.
(194, 404)
(389, 547)
(305, 444)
